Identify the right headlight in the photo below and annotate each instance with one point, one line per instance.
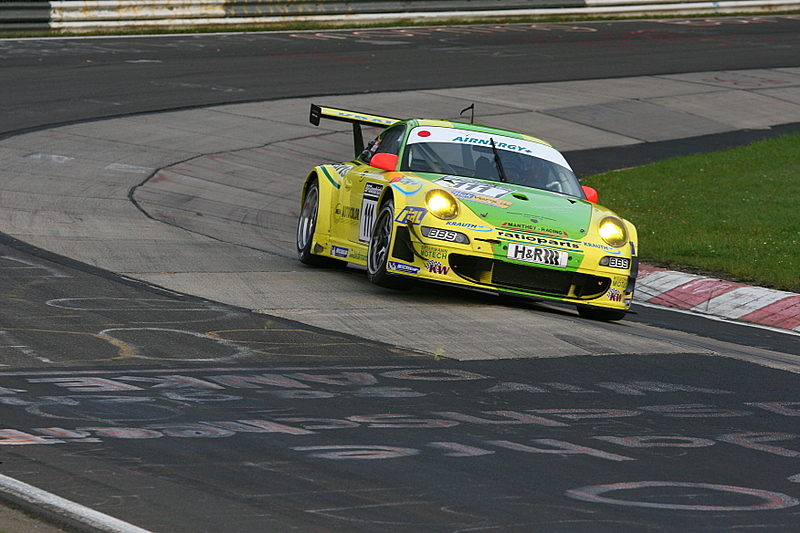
(612, 231)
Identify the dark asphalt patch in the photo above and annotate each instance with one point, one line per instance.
(613, 443)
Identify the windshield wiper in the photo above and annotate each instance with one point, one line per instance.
(500, 171)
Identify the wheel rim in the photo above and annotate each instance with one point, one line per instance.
(379, 242)
(308, 218)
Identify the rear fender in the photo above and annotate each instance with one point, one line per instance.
(327, 193)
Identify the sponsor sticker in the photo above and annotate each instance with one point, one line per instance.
(436, 267)
(402, 267)
(473, 186)
(468, 225)
(502, 142)
(406, 185)
(534, 254)
(432, 252)
(533, 228)
(342, 168)
(411, 215)
(619, 282)
(339, 251)
(607, 249)
(505, 235)
(373, 190)
(350, 213)
(481, 199)
(555, 209)
(444, 235)
(619, 262)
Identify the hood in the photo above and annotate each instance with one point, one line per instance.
(521, 209)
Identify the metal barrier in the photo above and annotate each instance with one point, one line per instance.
(92, 15)
(24, 16)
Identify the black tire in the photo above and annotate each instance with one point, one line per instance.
(307, 225)
(379, 251)
(606, 315)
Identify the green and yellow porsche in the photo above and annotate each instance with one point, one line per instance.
(467, 205)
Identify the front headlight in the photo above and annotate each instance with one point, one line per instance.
(612, 230)
(441, 204)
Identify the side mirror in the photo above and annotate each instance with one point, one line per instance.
(384, 161)
(590, 193)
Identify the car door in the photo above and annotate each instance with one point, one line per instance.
(363, 185)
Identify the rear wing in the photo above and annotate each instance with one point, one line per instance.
(354, 117)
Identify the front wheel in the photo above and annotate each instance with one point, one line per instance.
(379, 249)
(606, 315)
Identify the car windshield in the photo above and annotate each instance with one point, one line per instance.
(472, 154)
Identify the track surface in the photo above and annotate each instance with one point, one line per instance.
(60, 80)
(179, 414)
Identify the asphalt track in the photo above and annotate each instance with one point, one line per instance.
(178, 413)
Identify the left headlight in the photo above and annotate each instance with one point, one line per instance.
(612, 230)
(441, 204)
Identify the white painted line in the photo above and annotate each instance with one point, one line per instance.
(26, 350)
(120, 167)
(50, 157)
(29, 265)
(103, 522)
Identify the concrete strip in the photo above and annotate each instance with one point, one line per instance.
(30, 495)
(636, 88)
(451, 324)
(787, 94)
(741, 79)
(635, 119)
(764, 110)
(227, 197)
(563, 134)
(507, 332)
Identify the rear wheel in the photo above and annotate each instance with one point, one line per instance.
(379, 250)
(307, 225)
(606, 315)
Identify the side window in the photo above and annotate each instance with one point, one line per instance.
(387, 142)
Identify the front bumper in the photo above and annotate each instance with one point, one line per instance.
(491, 270)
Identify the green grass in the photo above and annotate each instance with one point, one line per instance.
(733, 214)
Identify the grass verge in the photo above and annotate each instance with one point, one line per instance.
(733, 214)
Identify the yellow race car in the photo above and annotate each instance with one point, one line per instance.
(467, 205)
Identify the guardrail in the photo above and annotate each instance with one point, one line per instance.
(92, 15)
